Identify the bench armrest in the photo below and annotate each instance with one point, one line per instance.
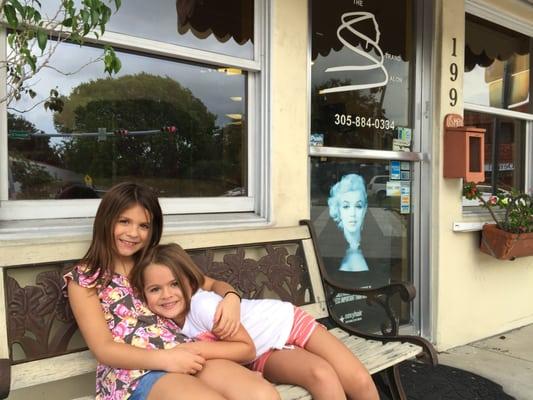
(382, 296)
(379, 296)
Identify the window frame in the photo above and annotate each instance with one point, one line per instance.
(490, 13)
(528, 154)
(256, 202)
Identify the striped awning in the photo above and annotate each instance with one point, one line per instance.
(486, 42)
(224, 19)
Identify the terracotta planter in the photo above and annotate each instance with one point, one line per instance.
(504, 245)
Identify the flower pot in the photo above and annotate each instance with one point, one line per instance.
(505, 245)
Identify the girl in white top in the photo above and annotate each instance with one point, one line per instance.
(278, 339)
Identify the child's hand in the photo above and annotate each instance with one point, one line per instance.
(183, 360)
(227, 316)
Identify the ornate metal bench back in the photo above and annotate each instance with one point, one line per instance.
(40, 322)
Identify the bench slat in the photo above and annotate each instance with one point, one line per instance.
(290, 392)
(375, 355)
(400, 353)
(47, 370)
(359, 345)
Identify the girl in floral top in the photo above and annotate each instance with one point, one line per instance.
(138, 353)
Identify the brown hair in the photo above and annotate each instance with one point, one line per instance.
(99, 257)
(172, 255)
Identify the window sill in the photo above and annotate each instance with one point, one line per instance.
(475, 218)
(464, 226)
(80, 229)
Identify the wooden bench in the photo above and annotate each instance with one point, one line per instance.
(262, 263)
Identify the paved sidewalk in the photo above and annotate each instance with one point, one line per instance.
(506, 359)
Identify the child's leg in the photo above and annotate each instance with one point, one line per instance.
(302, 368)
(354, 377)
(236, 382)
(173, 386)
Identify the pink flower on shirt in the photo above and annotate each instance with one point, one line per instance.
(122, 311)
(122, 374)
(168, 336)
(122, 329)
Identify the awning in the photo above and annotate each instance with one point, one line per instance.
(486, 42)
(223, 18)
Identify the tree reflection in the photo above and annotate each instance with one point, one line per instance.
(144, 102)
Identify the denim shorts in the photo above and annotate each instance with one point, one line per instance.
(145, 385)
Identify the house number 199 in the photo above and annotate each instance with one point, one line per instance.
(454, 72)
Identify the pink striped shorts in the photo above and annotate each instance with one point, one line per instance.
(302, 328)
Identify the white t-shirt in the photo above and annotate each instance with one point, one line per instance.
(268, 322)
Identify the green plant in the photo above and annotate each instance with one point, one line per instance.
(516, 208)
(29, 48)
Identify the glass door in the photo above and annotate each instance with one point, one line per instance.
(365, 147)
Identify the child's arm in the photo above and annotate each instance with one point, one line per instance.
(228, 314)
(90, 318)
(239, 347)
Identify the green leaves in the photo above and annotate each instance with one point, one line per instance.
(42, 38)
(11, 16)
(54, 102)
(111, 61)
(28, 28)
(517, 208)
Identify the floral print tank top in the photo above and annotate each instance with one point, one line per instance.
(130, 321)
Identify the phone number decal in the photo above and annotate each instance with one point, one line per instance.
(363, 122)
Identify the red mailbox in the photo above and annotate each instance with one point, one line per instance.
(464, 150)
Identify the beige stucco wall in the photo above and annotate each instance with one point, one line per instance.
(289, 112)
(475, 295)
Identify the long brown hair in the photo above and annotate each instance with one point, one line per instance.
(99, 258)
(185, 271)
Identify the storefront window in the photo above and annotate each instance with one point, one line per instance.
(362, 59)
(176, 117)
(497, 98)
(172, 125)
(361, 212)
(505, 150)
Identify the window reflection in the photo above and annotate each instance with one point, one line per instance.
(505, 144)
(222, 27)
(179, 127)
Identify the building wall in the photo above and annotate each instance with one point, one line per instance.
(475, 295)
(289, 112)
